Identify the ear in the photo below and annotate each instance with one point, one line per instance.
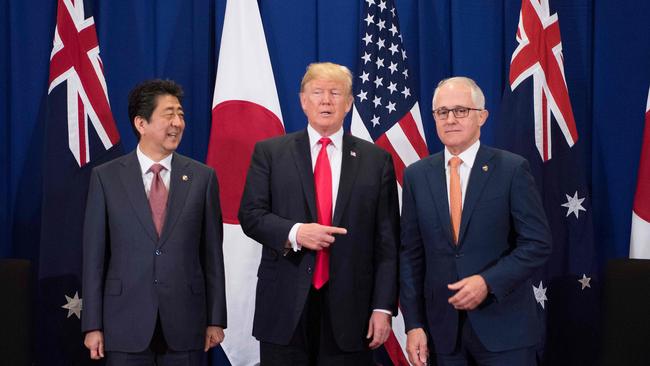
(303, 100)
(483, 116)
(139, 123)
(349, 103)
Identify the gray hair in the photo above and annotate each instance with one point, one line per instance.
(477, 94)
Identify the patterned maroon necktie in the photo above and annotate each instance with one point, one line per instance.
(157, 198)
(323, 185)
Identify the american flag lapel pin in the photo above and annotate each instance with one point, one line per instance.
(353, 153)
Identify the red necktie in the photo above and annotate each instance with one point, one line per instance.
(323, 184)
(157, 197)
(455, 195)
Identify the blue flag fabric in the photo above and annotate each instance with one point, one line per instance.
(536, 121)
(80, 133)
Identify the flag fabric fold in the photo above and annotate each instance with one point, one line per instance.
(537, 122)
(640, 236)
(386, 110)
(80, 133)
(245, 109)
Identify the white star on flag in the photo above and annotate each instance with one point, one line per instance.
(74, 305)
(584, 281)
(574, 205)
(540, 294)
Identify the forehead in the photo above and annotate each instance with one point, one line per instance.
(325, 83)
(454, 94)
(167, 101)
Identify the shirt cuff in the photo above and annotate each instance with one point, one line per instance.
(292, 237)
(383, 311)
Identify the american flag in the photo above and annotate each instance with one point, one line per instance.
(80, 133)
(386, 108)
(537, 122)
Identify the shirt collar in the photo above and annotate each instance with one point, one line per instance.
(146, 162)
(314, 136)
(468, 156)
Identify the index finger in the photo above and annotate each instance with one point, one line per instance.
(337, 230)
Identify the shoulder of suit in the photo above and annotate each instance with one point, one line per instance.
(425, 162)
(117, 162)
(194, 164)
(504, 155)
(280, 140)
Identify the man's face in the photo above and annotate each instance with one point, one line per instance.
(161, 135)
(325, 103)
(458, 134)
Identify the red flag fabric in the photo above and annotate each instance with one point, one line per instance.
(640, 236)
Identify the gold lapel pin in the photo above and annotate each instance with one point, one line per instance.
(185, 178)
(485, 168)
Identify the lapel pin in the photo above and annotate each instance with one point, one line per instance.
(353, 153)
(185, 178)
(485, 168)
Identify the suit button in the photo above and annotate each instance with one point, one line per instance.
(155, 282)
(309, 270)
(158, 252)
(459, 255)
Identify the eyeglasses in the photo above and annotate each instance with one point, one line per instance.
(441, 114)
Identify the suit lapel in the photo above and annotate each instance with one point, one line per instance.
(349, 165)
(131, 175)
(438, 185)
(179, 185)
(301, 152)
(478, 178)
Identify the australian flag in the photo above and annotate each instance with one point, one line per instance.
(80, 133)
(537, 122)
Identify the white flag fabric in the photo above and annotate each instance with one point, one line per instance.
(640, 236)
(245, 109)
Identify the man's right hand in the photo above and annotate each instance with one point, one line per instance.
(317, 236)
(94, 341)
(416, 347)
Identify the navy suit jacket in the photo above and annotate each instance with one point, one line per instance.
(130, 275)
(504, 237)
(279, 193)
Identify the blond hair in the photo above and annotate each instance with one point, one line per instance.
(328, 71)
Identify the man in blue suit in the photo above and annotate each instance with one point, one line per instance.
(473, 232)
(153, 276)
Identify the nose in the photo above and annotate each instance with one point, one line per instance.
(177, 120)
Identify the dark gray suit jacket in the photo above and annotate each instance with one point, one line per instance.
(130, 275)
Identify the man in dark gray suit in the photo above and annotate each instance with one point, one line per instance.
(153, 277)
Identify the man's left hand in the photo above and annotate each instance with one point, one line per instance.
(378, 329)
(213, 336)
(472, 291)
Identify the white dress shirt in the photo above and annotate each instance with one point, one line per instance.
(147, 176)
(468, 156)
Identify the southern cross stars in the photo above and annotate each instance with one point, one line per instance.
(574, 205)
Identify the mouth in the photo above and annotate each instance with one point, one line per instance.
(173, 134)
(325, 113)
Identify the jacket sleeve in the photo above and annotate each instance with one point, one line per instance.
(213, 255)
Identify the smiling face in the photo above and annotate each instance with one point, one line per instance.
(458, 134)
(325, 103)
(163, 132)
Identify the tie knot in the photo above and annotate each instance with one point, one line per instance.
(324, 141)
(455, 162)
(156, 168)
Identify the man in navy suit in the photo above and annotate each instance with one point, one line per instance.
(153, 276)
(473, 232)
(321, 194)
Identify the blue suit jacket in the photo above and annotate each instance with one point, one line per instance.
(504, 237)
(130, 275)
